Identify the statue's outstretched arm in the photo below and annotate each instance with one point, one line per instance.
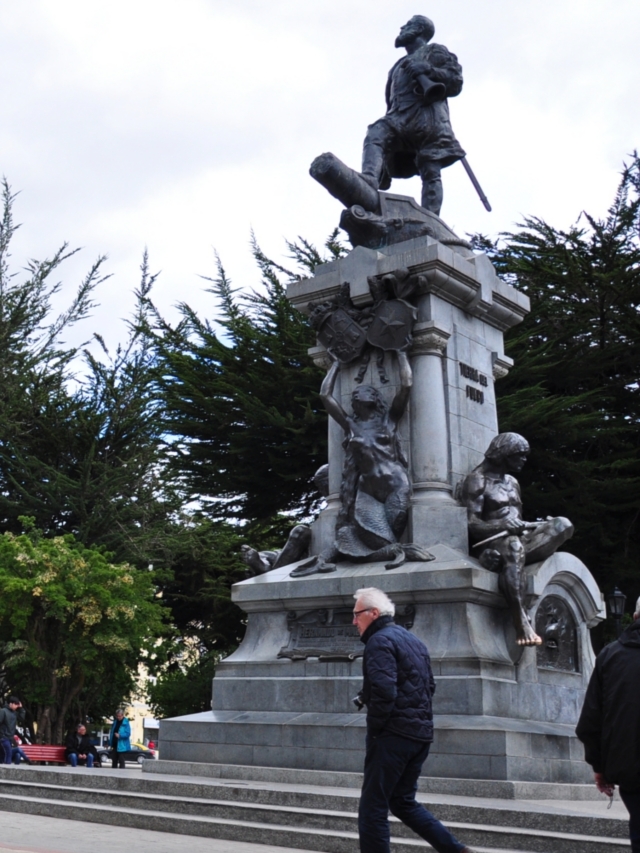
(330, 403)
(399, 405)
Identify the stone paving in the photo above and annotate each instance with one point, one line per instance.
(33, 834)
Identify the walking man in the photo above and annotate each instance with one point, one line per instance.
(9, 716)
(609, 725)
(397, 690)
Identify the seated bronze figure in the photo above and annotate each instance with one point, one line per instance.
(500, 538)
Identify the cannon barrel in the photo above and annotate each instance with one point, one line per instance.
(345, 184)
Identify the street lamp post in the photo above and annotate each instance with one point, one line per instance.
(615, 601)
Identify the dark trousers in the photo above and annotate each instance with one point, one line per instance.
(391, 770)
(631, 799)
(6, 749)
(117, 759)
(17, 755)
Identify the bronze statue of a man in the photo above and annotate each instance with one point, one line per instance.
(500, 538)
(415, 136)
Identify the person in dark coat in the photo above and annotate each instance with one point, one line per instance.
(9, 717)
(79, 749)
(609, 725)
(397, 690)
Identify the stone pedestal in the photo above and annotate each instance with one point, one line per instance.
(457, 353)
(284, 698)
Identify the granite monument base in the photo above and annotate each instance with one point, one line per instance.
(284, 698)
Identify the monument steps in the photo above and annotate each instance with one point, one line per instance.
(303, 817)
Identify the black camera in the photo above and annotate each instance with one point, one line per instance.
(357, 701)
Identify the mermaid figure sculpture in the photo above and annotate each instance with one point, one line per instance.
(376, 489)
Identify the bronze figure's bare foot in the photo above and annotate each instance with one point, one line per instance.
(528, 637)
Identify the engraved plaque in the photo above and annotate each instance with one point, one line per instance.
(557, 627)
(330, 634)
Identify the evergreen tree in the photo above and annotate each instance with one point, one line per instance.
(201, 560)
(81, 446)
(242, 399)
(574, 389)
(81, 453)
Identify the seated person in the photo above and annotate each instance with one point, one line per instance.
(79, 749)
(17, 754)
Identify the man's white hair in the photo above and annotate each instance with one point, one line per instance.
(372, 597)
(636, 612)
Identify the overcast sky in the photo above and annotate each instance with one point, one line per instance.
(179, 125)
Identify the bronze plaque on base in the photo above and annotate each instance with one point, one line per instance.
(330, 635)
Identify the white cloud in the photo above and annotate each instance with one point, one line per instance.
(179, 126)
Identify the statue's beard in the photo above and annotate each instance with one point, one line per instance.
(403, 39)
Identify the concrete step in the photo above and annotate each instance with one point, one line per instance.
(305, 837)
(313, 818)
(312, 807)
(486, 788)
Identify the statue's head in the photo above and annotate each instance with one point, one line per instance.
(366, 400)
(416, 27)
(510, 448)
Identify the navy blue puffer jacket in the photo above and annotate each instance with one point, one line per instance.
(398, 682)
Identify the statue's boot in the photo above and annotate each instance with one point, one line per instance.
(432, 195)
(372, 163)
(431, 185)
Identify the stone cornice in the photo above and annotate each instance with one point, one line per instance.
(469, 283)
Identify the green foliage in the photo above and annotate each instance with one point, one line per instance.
(205, 562)
(241, 401)
(242, 398)
(204, 556)
(81, 454)
(184, 690)
(73, 627)
(574, 389)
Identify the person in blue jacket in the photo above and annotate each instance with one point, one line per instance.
(119, 739)
(397, 690)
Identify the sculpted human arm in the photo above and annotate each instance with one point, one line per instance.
(330, 403)
(474, 495)
(399, 404)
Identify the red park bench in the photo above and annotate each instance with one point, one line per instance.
(44, 752)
